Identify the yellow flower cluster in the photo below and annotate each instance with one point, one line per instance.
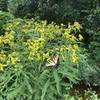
(2, 56)
(80, 37)
(2, 60)
(8, 38)
(69, 30)
(2, 66)
(12, 59)
(37, 41)
(74, 58)
(77, 26)
(73, 49)
(35, 46)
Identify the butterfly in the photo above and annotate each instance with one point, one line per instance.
(53, 62)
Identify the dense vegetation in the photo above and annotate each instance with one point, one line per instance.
(35, 32)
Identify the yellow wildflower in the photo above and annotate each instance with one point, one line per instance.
(8, 37)
(72, 38)
(69, 47)
(74, 58)
(2, 66)
(45, 55)
(12, 59)
(67, 35)
(75, 46)
(38, 56)
(77, 25)
(80, 98)
(2, 56)
(80, 37)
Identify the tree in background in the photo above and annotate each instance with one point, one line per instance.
(3, 5)
(22, 8)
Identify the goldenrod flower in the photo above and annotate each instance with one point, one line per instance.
(2, 56)
(77, 25)
(67, 35)
(80, 37)
(69, 47)
(2, 66)
(75, 46)
(74, 58)
(8, 37)
(12, 59)
(72, 38)
(80, 98)
(38, 56)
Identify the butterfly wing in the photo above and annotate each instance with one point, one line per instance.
(50, 63)
(53, 62)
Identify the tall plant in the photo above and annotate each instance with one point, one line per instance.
(25, 50)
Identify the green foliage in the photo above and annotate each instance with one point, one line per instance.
(92, 24)
(94, 59)
(94, 48)
(22, 8)
(91, 95)
(87, 12)
(4, 18)
(85, 95)
(3, 5)
(25, 48)
(54, 10)
(89, 72)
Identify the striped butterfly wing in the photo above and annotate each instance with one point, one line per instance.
(52, 62)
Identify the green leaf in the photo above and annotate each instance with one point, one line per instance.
(13, 93)
(28, 85)
(1, 98)
(45, 89)
(57, 80)
(43, 74)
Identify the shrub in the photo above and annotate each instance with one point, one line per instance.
(91, 25)
(4, 18)
(94, 59)
(22, 8)
(3, 5)
(26, 48)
